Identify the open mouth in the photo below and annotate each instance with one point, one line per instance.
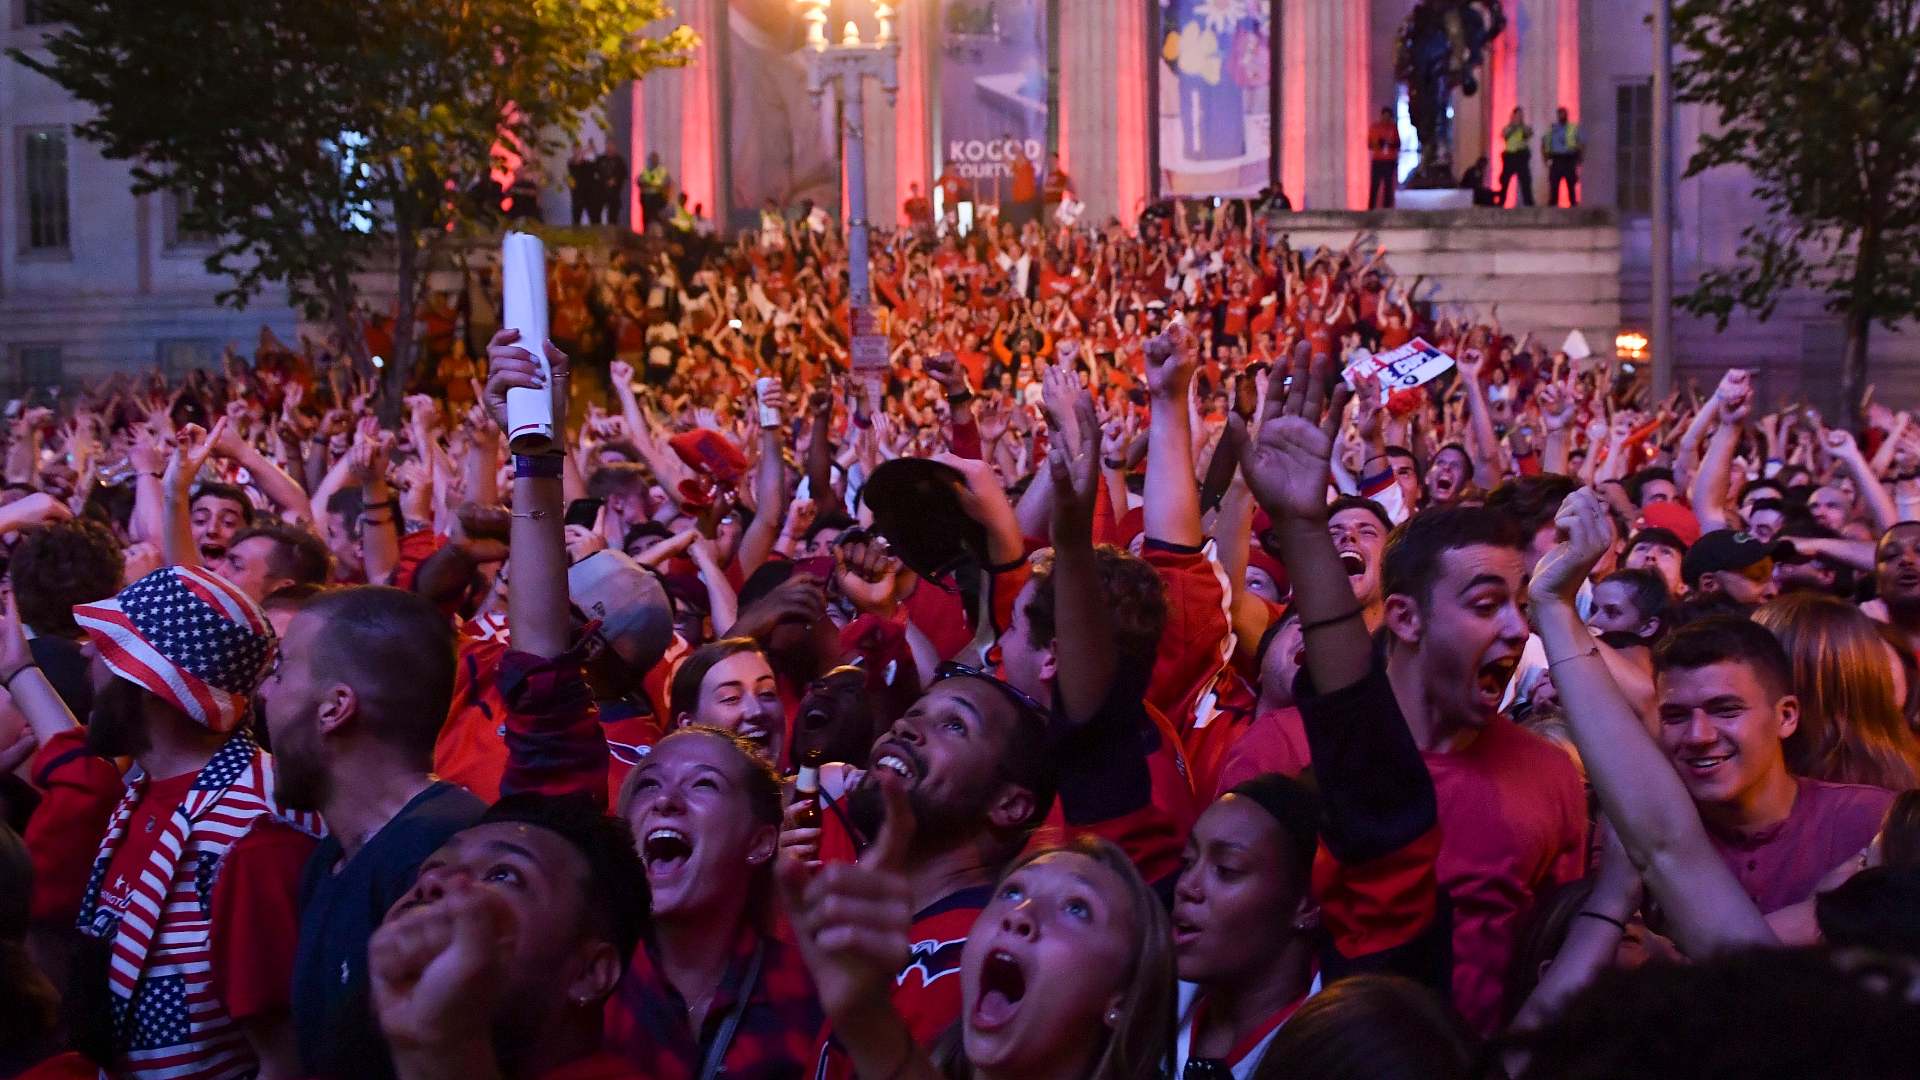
(1494, 678)
(1354, 563)
(1184, 931)
(1002, 985)
(212, 552)
(899, 761)
(665, 850)
(755, 734)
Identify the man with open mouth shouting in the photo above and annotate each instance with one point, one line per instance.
(979, 760)
(1512, 810)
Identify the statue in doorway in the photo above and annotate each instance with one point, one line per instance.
(1442, 46)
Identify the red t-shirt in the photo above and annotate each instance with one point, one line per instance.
(1275, 742)
(1513, 819)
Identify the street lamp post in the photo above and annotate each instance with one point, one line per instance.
(845, 65)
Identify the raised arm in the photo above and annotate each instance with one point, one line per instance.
(1084, 649)
(1880, 507)
(537, 615)
(1172, 502)
(770, 491)
(1636, 786)
(282, 490)
(190, 452)
(1733, 396)
(1486, 445)
(1287, 464)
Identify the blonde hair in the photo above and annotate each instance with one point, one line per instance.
(1851, 729)
(1142, 1035)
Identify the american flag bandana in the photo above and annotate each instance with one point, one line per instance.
(189, 636)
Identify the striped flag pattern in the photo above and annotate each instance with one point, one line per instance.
(189, 636)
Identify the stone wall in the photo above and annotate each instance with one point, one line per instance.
(1551, 271)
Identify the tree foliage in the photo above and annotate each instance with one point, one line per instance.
(323, 139)
(1820, 101)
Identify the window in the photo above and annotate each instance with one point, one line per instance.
(34, 367)
(1633, 153)
(43, 159)
(178, 203)
(178, 356)
(35, 13)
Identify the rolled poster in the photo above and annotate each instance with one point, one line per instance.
(523, 286)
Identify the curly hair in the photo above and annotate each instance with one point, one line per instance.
(1135, 596)
(57, 566)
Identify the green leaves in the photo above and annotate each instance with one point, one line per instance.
(1820, 101)
(315, 136)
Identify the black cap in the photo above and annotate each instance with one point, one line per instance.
(916, 506)
(1657, 536)
(1725, 549)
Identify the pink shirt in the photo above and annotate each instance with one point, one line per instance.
(1779, 865)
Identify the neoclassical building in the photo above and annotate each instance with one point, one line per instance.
(1139, 99)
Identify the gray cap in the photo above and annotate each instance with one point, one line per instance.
(629, 602)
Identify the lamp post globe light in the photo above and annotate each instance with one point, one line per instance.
(844, 66)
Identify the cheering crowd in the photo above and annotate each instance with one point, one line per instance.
(1106, 689)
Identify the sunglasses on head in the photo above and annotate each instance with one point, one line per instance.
(950, 669)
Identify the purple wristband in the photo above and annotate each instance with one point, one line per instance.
(538, 466)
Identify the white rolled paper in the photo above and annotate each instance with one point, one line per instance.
(523, 286)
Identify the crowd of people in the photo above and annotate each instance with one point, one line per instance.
(1105, 689)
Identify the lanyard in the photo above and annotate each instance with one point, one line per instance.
(723, 1039)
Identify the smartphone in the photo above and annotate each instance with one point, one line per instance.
(584, 512)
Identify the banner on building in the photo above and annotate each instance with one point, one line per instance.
(993, 94)
(1215, 117)
(781, 145)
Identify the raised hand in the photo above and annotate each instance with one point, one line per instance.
(1286, 461)
(869, 577)
(620, 374)
(1059, 390)
(1073, 463)
(851, 920)
(1583, 517)
(191, 450)
(1368, 412)
(511, 367)
(1171, 359)
(439, 970)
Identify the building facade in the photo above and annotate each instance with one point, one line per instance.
(1134, 107)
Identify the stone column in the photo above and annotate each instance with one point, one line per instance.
(678, 115)
(916, 23)
(1089, 102)
(1329, 39)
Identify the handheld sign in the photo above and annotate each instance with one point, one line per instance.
(866, 346)
(523, 288)
(1403, 368)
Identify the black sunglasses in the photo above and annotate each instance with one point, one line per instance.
(950, 669)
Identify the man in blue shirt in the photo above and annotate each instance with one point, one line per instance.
(1563, 149)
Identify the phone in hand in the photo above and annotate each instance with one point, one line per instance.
(584, 512)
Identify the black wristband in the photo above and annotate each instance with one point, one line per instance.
(1335, 621)
(539, 466)
(959, 399)
(1116, 466)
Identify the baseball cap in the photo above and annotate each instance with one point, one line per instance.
(630, 603)
(1659, 537)
(916, 506)
(1673, 518)
(1725, 549)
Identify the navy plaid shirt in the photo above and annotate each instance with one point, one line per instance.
(647, 1018)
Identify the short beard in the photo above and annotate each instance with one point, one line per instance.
(117, 727)
(300, 781)
(935, 828)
